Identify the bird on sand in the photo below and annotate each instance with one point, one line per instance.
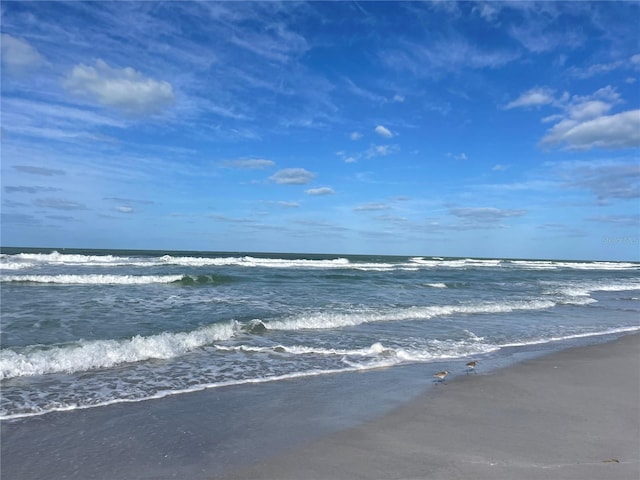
(471, 365)
(440, 376)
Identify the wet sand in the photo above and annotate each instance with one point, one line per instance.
(574, 414)
(567, 415)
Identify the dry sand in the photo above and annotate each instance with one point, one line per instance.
(574, 414)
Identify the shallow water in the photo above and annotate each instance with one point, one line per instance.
(83, 329)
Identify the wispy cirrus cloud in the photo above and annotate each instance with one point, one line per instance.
(595, 69)
(371, 207)
(485, 216)
(437, 58)
(44, 171)
(606, 180)
(29, 189)
(617, 220)
(59, 204)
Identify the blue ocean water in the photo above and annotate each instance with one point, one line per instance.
(88, 328)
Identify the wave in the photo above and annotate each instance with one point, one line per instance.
(555, 265)
(98, 279)
(15, 265)
(585, 289)
(328, 320)
(436, 350)
(25, 260)
(93, 279)
(611, 331)
(91, 355)
(67, 258)
(436, 285)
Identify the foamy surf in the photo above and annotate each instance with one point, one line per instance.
(89, 355)
(24, 260)
(91, 279)
(75, 334)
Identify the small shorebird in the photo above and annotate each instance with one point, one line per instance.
(440, 376)
(471, 365)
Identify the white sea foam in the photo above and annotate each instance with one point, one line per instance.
(92, 279)
(437, 285)
(329, 320)
(249, 261)
(601, 333)
(554, 265)
(381, 357)
(73, 259)
(89, 355)
(375, 349)
(584, 289)
(195, 388)
(21, 260)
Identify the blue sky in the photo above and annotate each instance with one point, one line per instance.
(427, 128)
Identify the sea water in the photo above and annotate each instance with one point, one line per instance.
(88, 328)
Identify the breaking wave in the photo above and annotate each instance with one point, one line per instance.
(90, 355)
(26, 260)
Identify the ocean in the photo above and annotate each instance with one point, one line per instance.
(89, 328)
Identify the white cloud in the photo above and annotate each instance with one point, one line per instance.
(398, 98)
(292, 176)
(584, 122)
(320, 191)
(124, 209)
(383, 131)
(355, 136)
(124, 89)
(19, 56)
(500, 168)
(535, 97)
(249, 164)
(621, 130)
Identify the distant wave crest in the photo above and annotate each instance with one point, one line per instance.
(26, 260)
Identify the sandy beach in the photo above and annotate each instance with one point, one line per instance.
(569, 415)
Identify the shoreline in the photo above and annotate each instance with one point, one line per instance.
(572, 414)
(369, 425)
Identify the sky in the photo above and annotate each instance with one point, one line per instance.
(465, 129)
